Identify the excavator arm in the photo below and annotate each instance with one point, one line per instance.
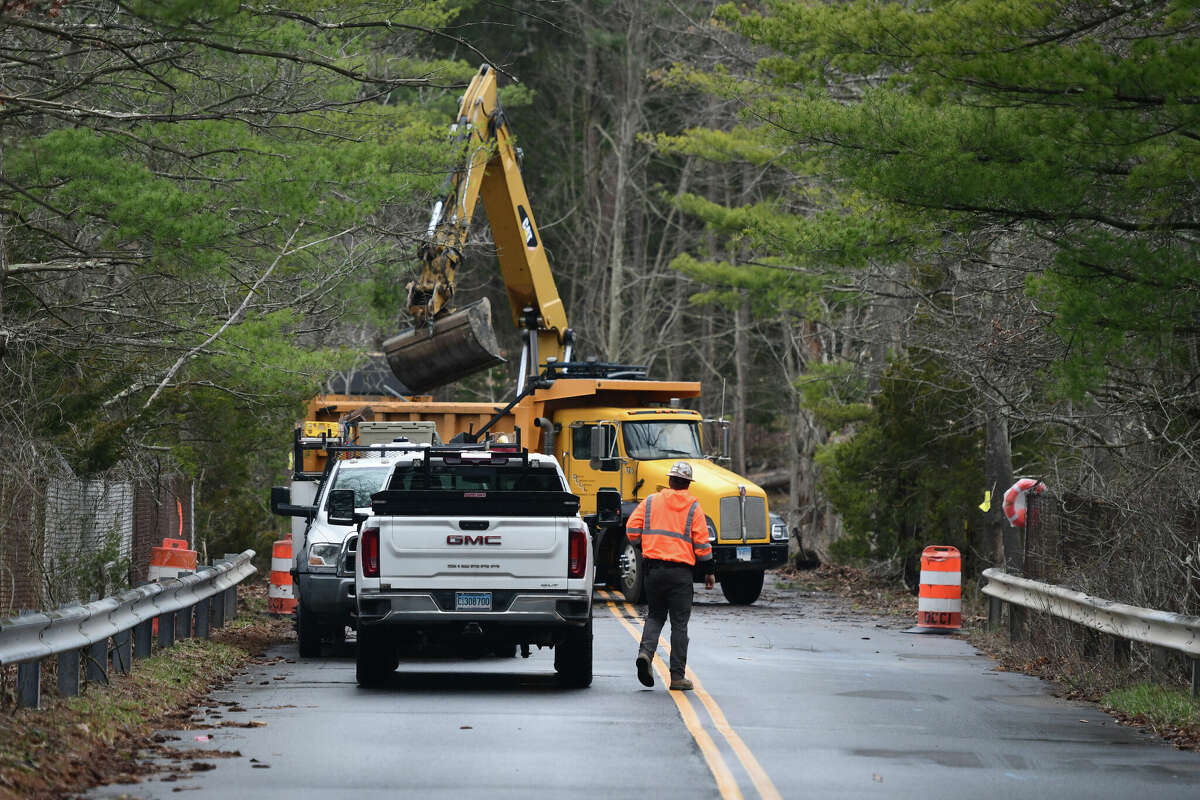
(446, 344)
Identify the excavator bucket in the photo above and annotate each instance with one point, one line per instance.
(455, 346)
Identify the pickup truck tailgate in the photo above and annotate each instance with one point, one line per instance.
(473, 552)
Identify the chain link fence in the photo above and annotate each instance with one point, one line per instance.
(1146, 557)
(64, 539)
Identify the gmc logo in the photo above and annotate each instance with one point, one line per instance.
(458, 538)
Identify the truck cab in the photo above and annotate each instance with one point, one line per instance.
(631, 450)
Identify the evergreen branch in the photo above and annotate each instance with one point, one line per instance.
(386, 24)
(62, 265)
(234, 317)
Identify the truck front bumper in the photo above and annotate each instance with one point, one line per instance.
(510, 608)
(762, 557)
(328, 596)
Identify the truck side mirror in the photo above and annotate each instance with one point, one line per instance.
(600, 459)
(608, 508)
(341, 508)
(281, 504)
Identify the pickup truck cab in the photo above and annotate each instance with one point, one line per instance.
(325, 600)
(472, 545)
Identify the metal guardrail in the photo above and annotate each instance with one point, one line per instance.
(182, 606)
(1161, 628)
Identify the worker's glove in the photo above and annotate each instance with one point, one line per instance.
(709, 581)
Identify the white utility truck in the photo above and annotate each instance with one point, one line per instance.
(477, 546)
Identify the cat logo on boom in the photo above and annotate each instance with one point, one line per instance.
(527, 226)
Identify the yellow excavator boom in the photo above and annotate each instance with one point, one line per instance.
(445, 343)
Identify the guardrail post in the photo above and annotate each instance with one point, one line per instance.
(1121, 650)
(143, 637)
(216, 610)
(995, 611)
(29, 684)
(1196, 677)
(166, 630)
(97, 662)
(202, 619)
(68, 673)
(123, 651)
(183, 623)
(1016, 622)
(231, 603)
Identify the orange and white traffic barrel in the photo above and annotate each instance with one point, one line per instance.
(939, 606)
(171, 560)
(281, 599)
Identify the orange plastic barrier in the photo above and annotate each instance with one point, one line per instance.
(939, 607)
(281, 599)
(171, 559)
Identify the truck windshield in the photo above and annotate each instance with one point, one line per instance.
(649, 440)
(469, 478)
(365, 481)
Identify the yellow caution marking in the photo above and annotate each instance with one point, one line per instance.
(758, 776)
(726, 783)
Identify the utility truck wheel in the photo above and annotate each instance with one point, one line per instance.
(308, 632)
(632, 572)
(337, 634)
(573, 658)
(742, 588)
(377, 658)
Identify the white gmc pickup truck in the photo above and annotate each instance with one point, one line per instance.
(472, 546)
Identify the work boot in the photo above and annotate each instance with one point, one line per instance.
(681, 685)
(643, 668)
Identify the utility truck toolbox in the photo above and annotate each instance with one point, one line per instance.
(415, 431)
(474, 548)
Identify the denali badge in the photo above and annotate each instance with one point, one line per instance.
(458, 538)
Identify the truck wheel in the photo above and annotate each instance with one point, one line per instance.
(337, 635)
(632, 572)
(573, 658)
(308, 632)
(377, 658)
(742, 588)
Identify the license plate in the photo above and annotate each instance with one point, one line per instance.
(472, 601)
(743, 554)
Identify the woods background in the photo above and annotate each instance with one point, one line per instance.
(910, 252)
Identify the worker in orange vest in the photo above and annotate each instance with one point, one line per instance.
(674, 537)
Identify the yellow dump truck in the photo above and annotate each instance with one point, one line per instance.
(618, 433)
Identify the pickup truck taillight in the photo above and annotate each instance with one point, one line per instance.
(368, 552)
(577, 553)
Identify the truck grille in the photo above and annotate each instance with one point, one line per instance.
(731, 519)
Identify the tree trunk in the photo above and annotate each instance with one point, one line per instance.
(741, 359)
(1004, 541)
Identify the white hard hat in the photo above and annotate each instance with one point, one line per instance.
(681, 469)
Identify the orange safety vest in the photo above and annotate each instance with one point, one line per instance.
(670, 525)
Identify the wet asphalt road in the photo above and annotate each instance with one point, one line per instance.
(798, 699)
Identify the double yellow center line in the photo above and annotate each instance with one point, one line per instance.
(726, 782)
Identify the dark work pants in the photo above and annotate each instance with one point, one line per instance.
(668, 591)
